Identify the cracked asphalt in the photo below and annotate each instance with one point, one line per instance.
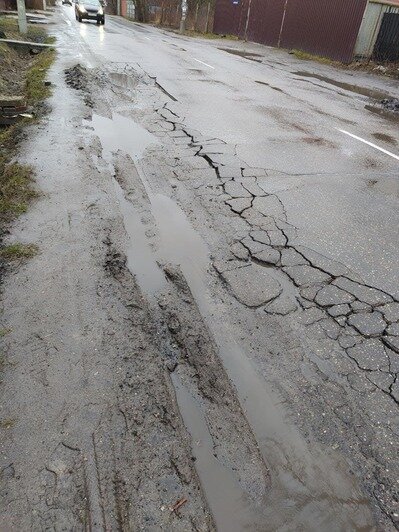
(214, 314)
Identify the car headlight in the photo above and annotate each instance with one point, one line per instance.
(100, 11)
(82, 9)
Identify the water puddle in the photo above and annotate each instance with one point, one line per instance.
(312, 487)
(241, 53)
(371, 93)
(268, 85)
(140, 257)
(121, 133)
(123, 80)
(380, 111)
(229, 505)
(385, 138)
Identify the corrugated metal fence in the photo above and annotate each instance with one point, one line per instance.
(370, 28)
(387, 44)
(327, 28)
(168, 13)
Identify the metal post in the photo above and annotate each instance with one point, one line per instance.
(207, 18)
(282, 24)
(184, 8)
(247, 21)
(22, 25)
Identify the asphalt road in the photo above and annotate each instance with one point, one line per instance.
(281, 117)
(212, 323)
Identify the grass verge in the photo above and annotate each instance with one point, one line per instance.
(24, 75)
(18, 252)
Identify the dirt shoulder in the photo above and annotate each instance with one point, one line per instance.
(22, 80)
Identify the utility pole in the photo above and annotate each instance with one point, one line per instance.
(184, 8)
(22, 25)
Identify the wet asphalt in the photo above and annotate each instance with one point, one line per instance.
(301, 435)
(342, 194)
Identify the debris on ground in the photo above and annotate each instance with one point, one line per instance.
(391, 104)
(178, 504)
(11, 108)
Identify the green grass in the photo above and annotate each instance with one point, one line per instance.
(7, 423)
(10, 27)
(16, 190)
(35, 88)
(18, 252)
(16, 180)
(212, 36)
(299, 54)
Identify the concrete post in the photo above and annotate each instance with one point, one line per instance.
(22, 24)
(184, 8)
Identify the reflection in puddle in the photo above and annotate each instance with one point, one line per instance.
(229, 505)
(140, 258)
(120, 133)
(312, 488)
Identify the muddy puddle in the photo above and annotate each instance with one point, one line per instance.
(380, 111)
(123, 80)
(271, 86)
(121, 133)
(312, 488)
(241, 53)
(230, 507)
(363, 91)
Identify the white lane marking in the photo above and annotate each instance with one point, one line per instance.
(206, 64)
(369, 143)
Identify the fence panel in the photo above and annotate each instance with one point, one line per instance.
(265, 20)
(230, 17)
(323, 27)
(387, 45)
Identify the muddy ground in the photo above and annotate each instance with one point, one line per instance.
(175, 358)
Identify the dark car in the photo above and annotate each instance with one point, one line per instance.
(90, 10)
(69, 2)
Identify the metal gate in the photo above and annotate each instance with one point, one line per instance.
(387, 45)
(130, 9)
